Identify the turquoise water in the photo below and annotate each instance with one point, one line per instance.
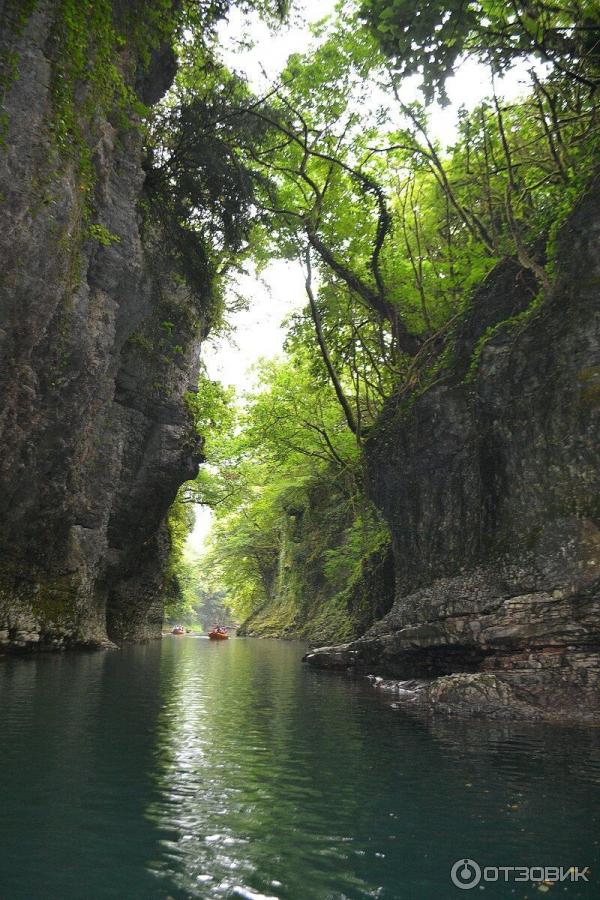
(186, 768)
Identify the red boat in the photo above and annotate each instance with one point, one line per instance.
(218, 634)
(179, 629)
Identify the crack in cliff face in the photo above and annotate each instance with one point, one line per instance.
(490, 486)
(94, 428)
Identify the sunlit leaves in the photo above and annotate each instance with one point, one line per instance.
(429, 38)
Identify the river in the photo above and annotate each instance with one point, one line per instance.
(187, 768)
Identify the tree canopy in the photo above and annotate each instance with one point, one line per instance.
(430, 39)
(334, 169)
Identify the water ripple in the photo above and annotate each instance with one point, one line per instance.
(190, 769)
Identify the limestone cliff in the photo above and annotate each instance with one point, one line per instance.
(99, 341)
(490, 482)
(307, 601)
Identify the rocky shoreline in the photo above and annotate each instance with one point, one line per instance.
(513, 641)
(489, 695)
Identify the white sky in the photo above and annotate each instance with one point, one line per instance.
(258, 330)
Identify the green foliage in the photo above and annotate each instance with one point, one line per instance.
(429, 39)
(213, 413)
(198, 193)
(86, 48)
(190, 601)
(398, 229)
(198, 190)
(186, 590)
(101, 234)
(366, 535)
(179, 524)
(286, 486)
(401, 229)
(394, 231)
(100, 51)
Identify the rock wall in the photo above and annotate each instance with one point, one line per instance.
(490, 483)
(98, 343)
(307, 601)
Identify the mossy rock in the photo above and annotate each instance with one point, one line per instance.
(589, 394)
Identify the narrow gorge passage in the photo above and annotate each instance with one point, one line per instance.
(299, 341)
(408, 472)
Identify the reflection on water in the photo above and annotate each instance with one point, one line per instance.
(199, 769)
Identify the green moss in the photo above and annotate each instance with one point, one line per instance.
(86, 49)
(15, 15)
(50, 602)
(274, 619)
(514, 324)
(331, 622)
(162, 390)
(141, 342)
(55, 604)
(589, 379)
(97, 232)
(330, 583)
(92, 74)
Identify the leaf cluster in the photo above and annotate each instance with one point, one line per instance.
(430, 39)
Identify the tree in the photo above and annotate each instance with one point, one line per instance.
(394, 232)
(429, 39)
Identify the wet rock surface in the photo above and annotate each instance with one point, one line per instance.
(490, 483)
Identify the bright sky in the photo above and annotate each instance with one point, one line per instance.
(258, 330)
